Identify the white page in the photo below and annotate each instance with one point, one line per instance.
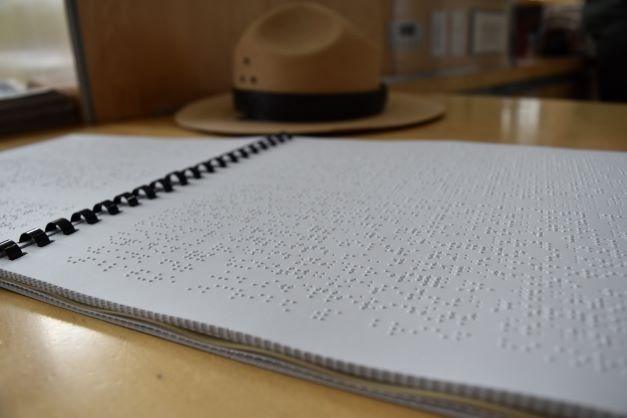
(491, 265)
(53, 179)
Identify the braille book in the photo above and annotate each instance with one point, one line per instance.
(462, 278)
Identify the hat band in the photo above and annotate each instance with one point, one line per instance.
(291, 107)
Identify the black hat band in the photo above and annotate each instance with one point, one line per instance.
(290, 107)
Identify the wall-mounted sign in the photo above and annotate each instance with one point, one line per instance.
(488, 32)
(459, 33)
(438, 34)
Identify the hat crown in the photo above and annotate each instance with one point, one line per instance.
(298, 30)
(305, 48)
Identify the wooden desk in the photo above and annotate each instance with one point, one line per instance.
(56, 363)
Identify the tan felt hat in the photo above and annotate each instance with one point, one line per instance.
(303, 69)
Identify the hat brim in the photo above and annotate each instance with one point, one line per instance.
(216, 114)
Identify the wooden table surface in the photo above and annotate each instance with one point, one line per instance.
(56, 363)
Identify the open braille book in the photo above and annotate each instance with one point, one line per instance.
(463, 278)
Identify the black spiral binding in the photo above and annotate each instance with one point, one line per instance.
(37, 236)
(12, 250)
(111, 207)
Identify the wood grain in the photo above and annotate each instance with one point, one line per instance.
(149, 57)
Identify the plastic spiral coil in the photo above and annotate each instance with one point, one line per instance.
(41, 237)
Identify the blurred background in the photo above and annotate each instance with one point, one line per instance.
(107, 60)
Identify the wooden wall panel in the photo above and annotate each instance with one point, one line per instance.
(149, 57)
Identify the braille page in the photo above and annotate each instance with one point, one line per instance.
(53, 179)
(502, 267)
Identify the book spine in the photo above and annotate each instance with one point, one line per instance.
(166, 184)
